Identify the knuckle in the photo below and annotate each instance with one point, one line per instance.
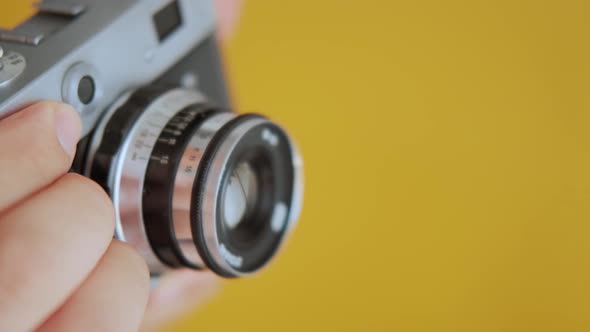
(47, 157)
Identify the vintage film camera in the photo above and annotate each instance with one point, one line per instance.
(193, 184)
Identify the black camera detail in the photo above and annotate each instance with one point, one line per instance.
(167, 20)
(86, 89)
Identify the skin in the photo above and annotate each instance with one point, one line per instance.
(60, 268)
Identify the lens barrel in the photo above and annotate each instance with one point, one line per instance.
(194, 185)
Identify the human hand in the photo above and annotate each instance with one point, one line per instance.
(60, 269)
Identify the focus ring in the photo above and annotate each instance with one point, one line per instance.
(159, 184)
(116, 130)
(120, 150)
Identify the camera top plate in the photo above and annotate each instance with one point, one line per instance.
(119, 42)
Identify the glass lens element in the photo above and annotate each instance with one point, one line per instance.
(241, 195)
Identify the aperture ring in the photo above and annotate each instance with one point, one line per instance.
(160, 185)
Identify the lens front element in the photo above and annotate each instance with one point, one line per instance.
(241, 195)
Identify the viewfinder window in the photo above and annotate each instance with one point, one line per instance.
(167, 20)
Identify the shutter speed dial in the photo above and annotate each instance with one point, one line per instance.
(12, 65)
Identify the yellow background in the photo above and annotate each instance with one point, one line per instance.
(447, 149)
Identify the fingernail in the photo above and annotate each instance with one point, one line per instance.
(68, 127)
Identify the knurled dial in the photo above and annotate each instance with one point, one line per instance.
(12, 64)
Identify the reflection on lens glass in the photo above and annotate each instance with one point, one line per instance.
(240, 196)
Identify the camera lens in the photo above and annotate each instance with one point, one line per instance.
(193, 185)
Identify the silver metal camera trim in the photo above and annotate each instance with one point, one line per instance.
(70, 85)
(118, 38)
(127, 175)
(184, 183)
(118, 41)
(8, 71)
(213, 189)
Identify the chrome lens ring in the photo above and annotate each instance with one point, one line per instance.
(168, 183)
(163, 219)
(237, 251)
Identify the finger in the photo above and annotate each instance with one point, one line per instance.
(228, 12)
(178, 293)
(112, 299)
(37, 145)
(48, 246)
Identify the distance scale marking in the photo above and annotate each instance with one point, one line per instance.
(133, 156)
(154, 121)
(173, 130)
(199, 142)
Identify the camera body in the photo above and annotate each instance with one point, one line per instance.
(119, 44)
(193, 184)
